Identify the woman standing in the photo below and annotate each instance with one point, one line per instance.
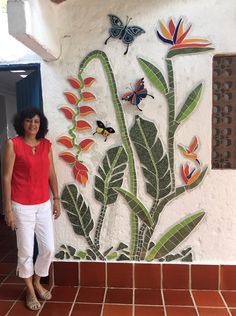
(28, 174)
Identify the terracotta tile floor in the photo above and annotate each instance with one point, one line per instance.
(101, 301)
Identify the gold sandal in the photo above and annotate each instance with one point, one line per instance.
(32, 303)
(44, 296)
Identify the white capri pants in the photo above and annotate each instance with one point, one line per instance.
(34, 219)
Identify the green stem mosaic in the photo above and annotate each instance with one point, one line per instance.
(123, 131)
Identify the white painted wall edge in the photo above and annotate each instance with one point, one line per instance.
(19, 26)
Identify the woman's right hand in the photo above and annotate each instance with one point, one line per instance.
(10, 219)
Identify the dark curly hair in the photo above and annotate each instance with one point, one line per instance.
(30, 113)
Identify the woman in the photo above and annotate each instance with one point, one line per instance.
(28, 174)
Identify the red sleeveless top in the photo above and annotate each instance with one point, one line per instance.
(29, 184)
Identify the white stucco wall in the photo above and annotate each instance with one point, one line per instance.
(83, 25)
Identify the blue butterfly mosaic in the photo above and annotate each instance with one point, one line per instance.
(123, 32)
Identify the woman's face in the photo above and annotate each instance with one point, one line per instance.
(31, 125)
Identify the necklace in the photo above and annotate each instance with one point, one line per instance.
(33, 147)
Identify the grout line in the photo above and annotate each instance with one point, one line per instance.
(105, 274)
(82, 303)
(190, 277)
(118, 304)
(52, 273)
(44, 302)
(163, 302)
(161, 276)
(219, 271)
(15, 301)
(3, 280)
(133, 276)
(78, 274)
(133, 285)
(194, 303)
(133, 305)
(11, 308)
(226, 305)
(104, 300)
(73, 304)
(41, 308)
(1, 261)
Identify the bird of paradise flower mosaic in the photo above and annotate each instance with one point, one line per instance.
(157, 165)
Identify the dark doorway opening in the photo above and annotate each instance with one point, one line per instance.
(20, 87)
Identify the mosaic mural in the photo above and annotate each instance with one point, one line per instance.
(156, 161)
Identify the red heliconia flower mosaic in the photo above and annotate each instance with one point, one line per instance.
(82, 125)
(71, 98)
(86, 110)
(73, 111)
(80, 172)
(67, 157)
(75, 83)
(88, 81)
(66, 141)
(86, 144)
(88, 96)
(69, 113)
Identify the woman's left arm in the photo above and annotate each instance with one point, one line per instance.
(54, 187)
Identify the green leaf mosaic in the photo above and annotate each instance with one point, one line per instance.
(155, 164)
(174, 236)
(136, 205)
(190, 104)
(111, 175)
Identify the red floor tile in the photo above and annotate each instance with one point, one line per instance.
(207, 311)
(117, 310)
(3, 253)
(2, 277)
(6, 268)
(5, 306)
(66, 273)
(14, 279)
(119, 275)
(230, 298)
(148, 297)
(175, 276)
(55, 309)
(20, 309)
(92, 274)
(208, 298)
(91, 295)
(228, 277)
(10, 291)
(147, 276)
(149, 311)
(86, 310)
(205, 277)
(11, 257)
(181, 311)
(121, 296)
(233, 312)
(64, 293)
(177, 298)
